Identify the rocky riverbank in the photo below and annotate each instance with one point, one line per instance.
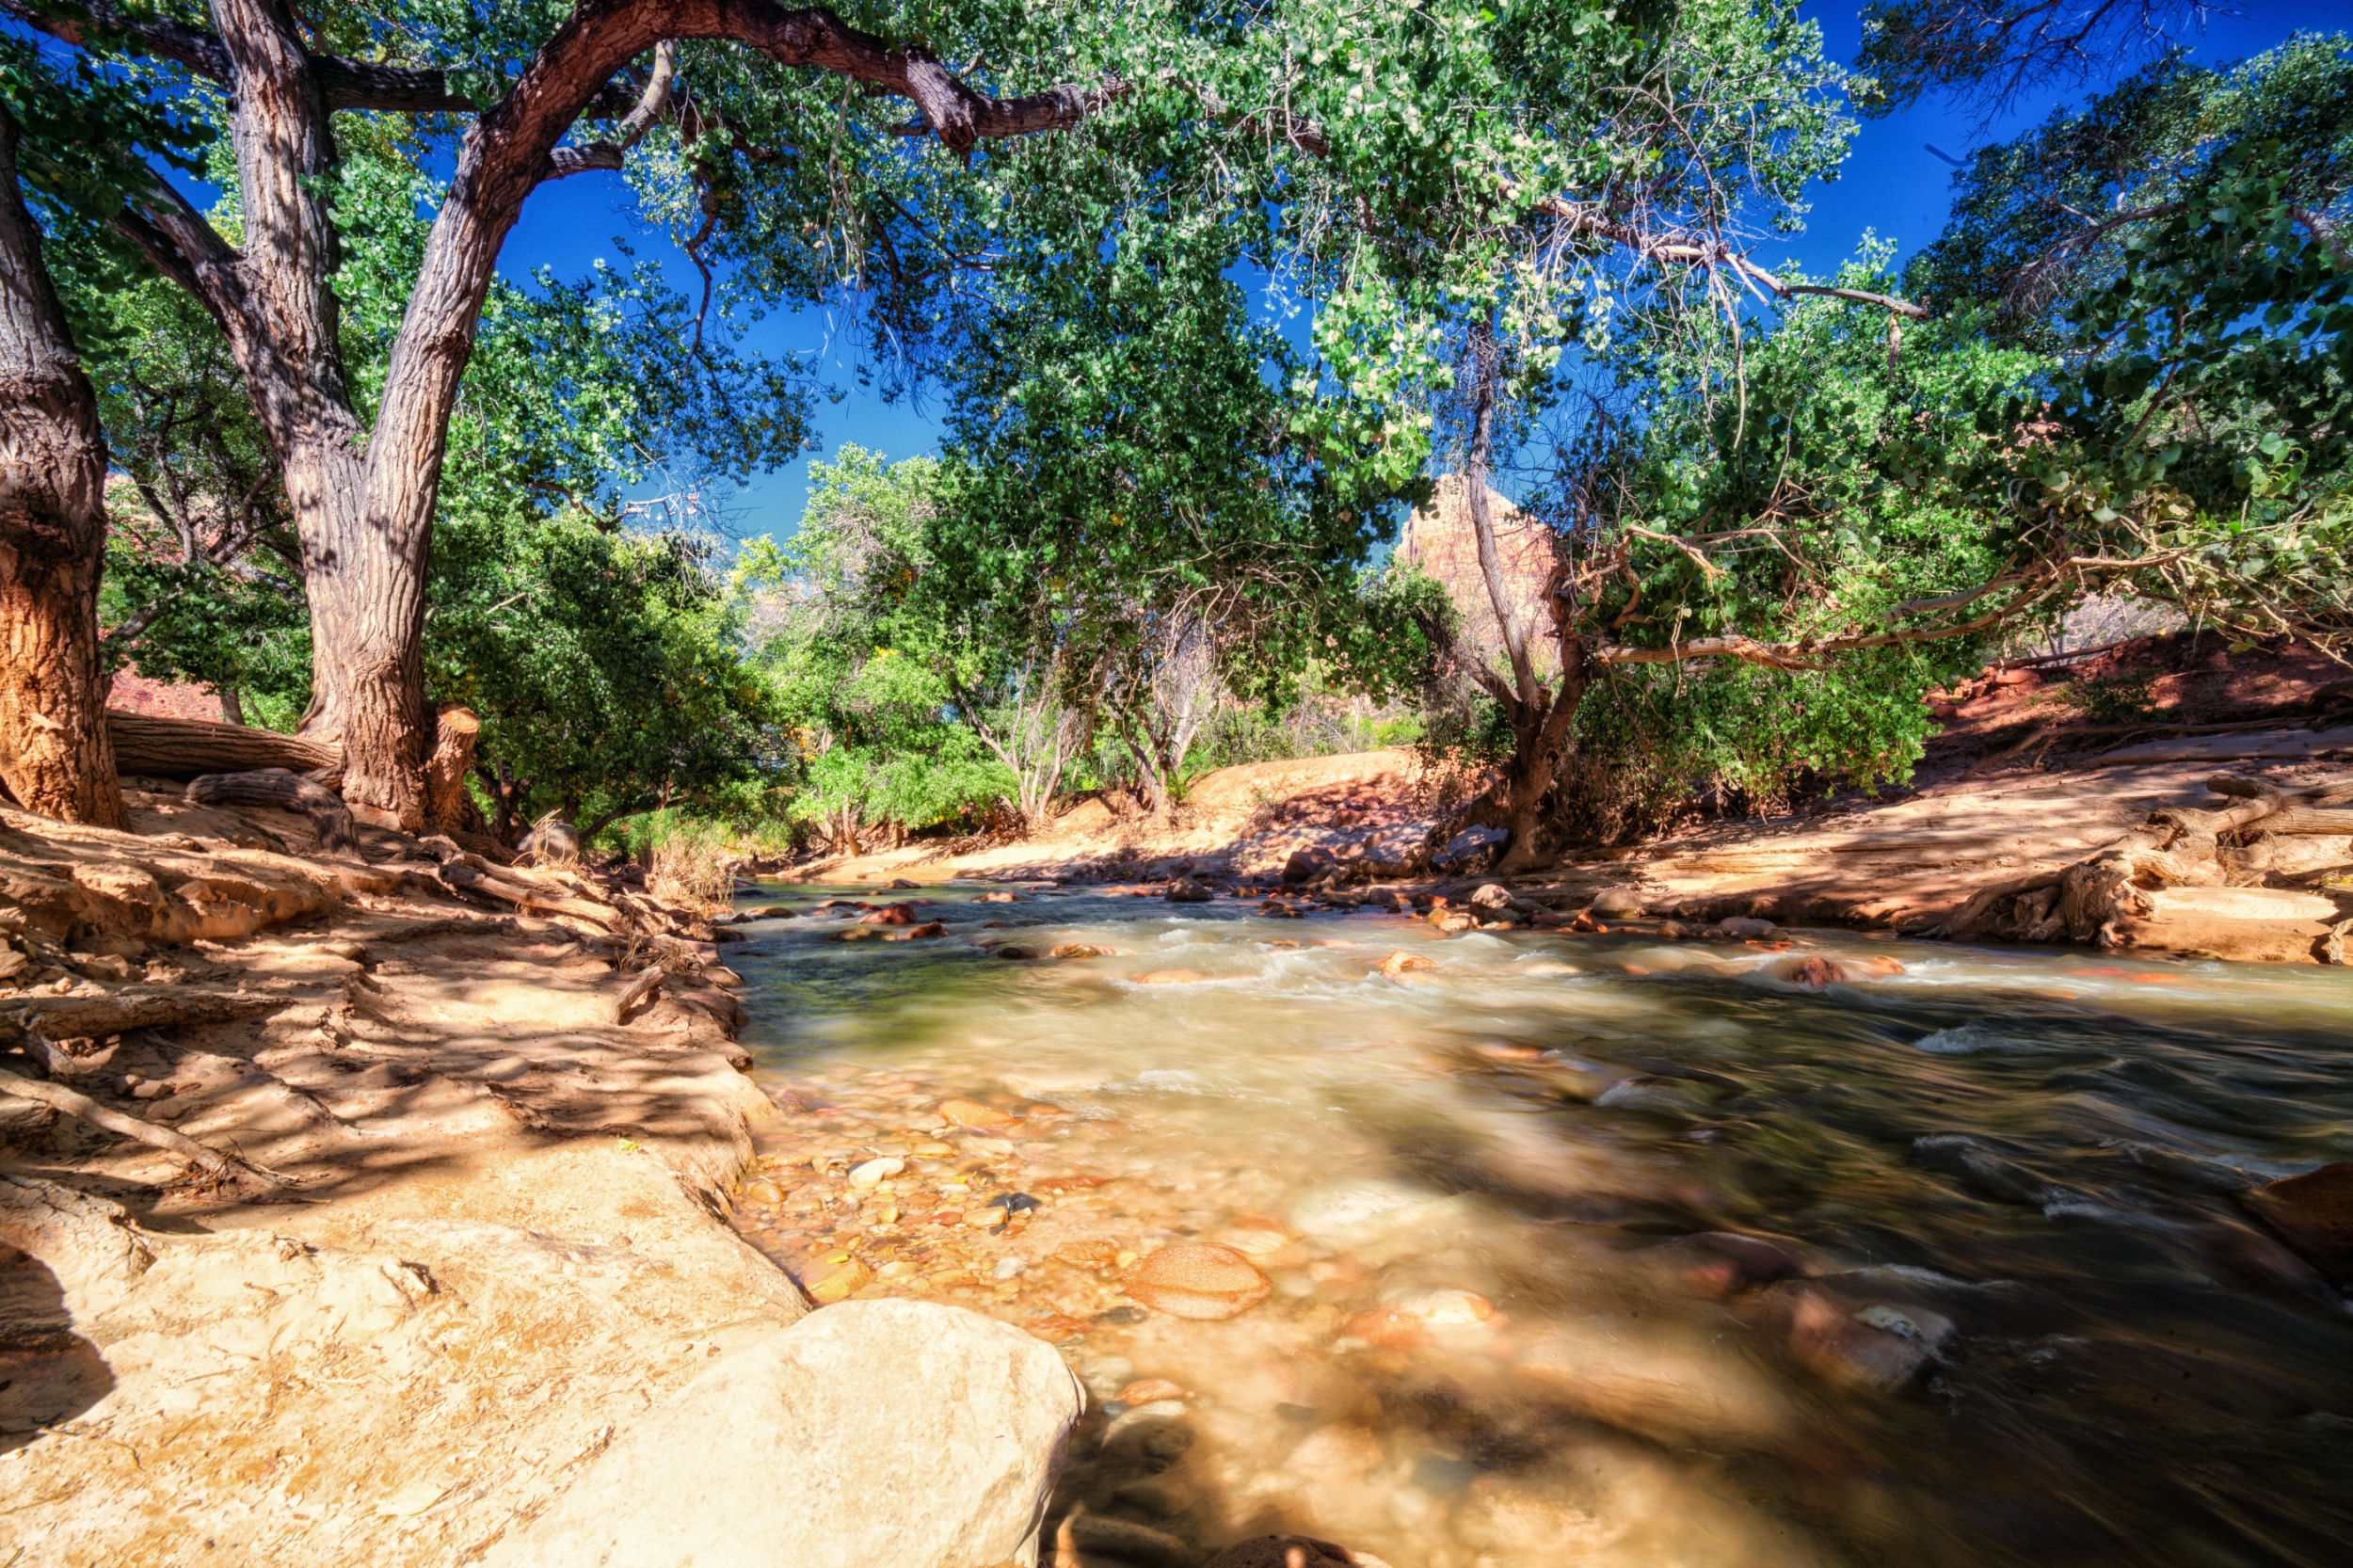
(2131, 851)
(369, 1208)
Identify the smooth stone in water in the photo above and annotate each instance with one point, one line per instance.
(971, 1114)
(1342, 1205)
(1196, 1280)
(2313, 1213)
(1611, 902)
(873, 1171)
(790, 1454)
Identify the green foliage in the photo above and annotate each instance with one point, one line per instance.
(859, 666)
(604, 657)
(1822, 489)
(2046, 220)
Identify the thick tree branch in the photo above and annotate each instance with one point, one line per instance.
(346, 83)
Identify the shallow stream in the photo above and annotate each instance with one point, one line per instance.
(1596, 1249)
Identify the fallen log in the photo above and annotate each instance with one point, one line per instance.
(461, 878)
(2189, 879)
(639, 990)
(286, 790)
(146, 744)
(80, 1106)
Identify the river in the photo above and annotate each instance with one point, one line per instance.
(1601, 1249)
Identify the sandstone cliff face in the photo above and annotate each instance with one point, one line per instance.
(1438, 539)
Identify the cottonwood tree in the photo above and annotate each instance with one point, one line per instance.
(55, 755)
(361, 465)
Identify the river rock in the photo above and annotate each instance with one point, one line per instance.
(1874, 1344)
(1291, 1551)
(1186, 890)
(1742, 928)
(1469, 847)
(972, 1113)
(1491, 895)
(875, 1170)
(1098, 1536)
(1150, 1391)
(1196, 1280)
(2313, 1213)
(1614, 903)
(890, 914)
(1402, 960)
(799, 1452)
(1339, 1208)
(840, 1281)
(1305, 865)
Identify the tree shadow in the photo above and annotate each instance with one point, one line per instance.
(48, 1373)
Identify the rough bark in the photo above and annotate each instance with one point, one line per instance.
(55, 757)
(2177, 847)
(449, 806)
(1540, 716)
(157, 747)
(285, 790)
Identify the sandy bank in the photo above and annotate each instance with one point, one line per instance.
(498, 1242)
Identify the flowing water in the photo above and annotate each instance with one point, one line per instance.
(1597, 1249)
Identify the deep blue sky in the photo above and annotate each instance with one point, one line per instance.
(1891, 185)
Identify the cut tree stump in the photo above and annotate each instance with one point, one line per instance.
(188, 748)
(449, 806)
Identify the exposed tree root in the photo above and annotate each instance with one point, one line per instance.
(74, 1103)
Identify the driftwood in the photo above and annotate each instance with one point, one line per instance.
(59, 1097)
(639, 990)
(136, 1008)
(465, 873)
(286, 790)
(184, 748)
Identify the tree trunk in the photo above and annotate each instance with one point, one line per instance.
(54, 752)
(287, 792)
(1539, 737)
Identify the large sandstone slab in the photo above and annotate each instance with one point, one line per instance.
(895, 1433)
